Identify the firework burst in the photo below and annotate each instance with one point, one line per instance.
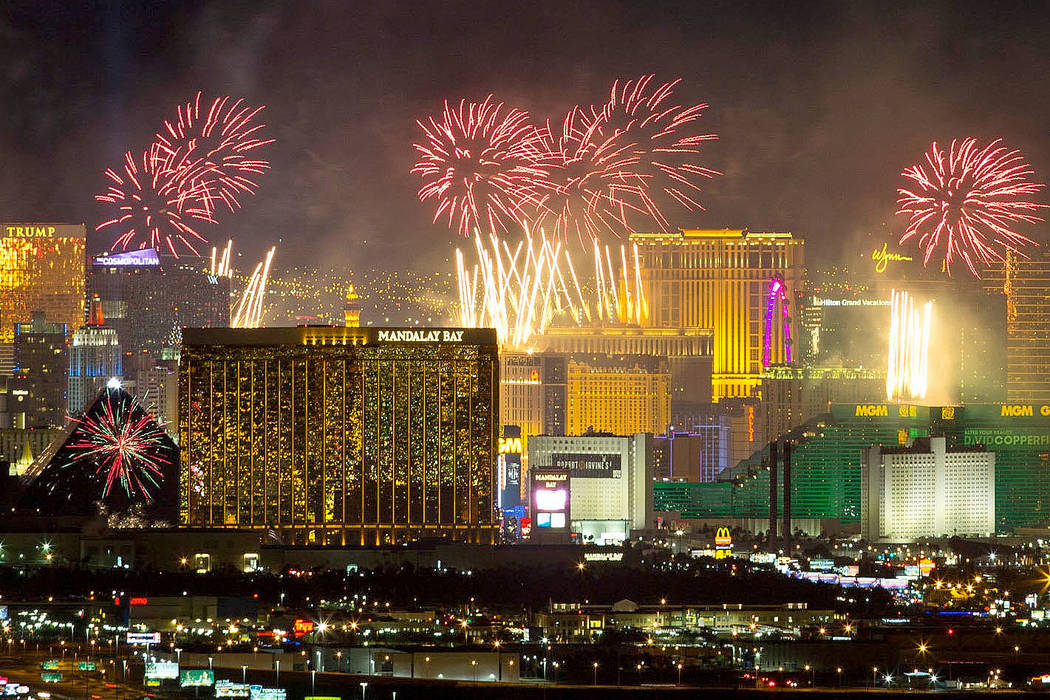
(481, 165)
(123, 442)
(155, 204)
(219, 140)
(966, 203)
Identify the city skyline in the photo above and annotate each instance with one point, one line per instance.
(799, 133)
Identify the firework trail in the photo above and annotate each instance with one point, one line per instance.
(520, 290)
(909, 343)
(154, 204)
(123, 441)
(966, 202)
(609, 160)
(481, 166)
(249, 310)
(219, 140)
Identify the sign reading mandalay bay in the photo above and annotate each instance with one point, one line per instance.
(420, 336)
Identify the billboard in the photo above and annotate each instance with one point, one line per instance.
(162, 669)
(143, 637)
(588, 466)
(550, 499)
(229, 689)
(509, 467)
(196, 678)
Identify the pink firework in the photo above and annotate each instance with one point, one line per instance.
(614, 158)
(125, 443)
(967, 201)
(219, 141)
(481, 165)
(156, 203)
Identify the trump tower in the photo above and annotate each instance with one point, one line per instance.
(340, 435)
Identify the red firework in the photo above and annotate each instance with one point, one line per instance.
(661, 136)
(967, 201)
(218, 141)
(156, 202)
(123, 441)
(480, 165)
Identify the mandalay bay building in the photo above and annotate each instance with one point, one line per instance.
(340, 436)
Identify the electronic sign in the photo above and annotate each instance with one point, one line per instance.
(196, 678)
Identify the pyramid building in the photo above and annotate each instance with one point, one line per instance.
(115, 457)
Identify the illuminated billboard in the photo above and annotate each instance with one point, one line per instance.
(550, 499)
(510, 449)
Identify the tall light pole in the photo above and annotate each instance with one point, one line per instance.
(363, 686)
(595, 666)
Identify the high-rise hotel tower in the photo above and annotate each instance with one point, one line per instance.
(741, 284)
(340, 435)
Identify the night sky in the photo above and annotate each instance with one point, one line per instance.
(818, 106)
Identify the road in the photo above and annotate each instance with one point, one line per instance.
(105, 683)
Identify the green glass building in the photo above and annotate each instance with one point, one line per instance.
(340, 436)
(826, 458)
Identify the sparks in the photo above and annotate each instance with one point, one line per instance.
(521, 290)
(124, 442)
(966, 203)
(220, 141)
(248, 313)
(909, 344)
(156, 205)
(609, 161)
(480, 165)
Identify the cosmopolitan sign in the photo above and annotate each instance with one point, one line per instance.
(412, 336)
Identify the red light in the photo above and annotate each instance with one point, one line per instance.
(950, 631)
(772, 684)
(139, 601)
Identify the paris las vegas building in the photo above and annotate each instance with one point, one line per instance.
(340, 435)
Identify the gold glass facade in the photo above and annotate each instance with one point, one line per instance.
(1025, 282)
(41, 269)
(721, 280)
(622, 400)
(340, 436)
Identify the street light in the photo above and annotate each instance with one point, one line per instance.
(363, 686)
(595, 673)
(874, 670)
(679, 673)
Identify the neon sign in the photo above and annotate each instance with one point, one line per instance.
(882, 258)
(776, 293)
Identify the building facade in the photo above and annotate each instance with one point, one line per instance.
(95, 357)
(609, 477)
(336, 435)
(826, 463)
(1025, 284)
(532, 392)
(926, 490)
(687, 350)
(622, 398)
(40, 373)
(148, 298)
(744, 286)
(41, 269)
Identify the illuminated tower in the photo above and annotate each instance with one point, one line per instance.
(352, 309)
(1025, 283)
(41, 269)
(737, 283)
(94, 359)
